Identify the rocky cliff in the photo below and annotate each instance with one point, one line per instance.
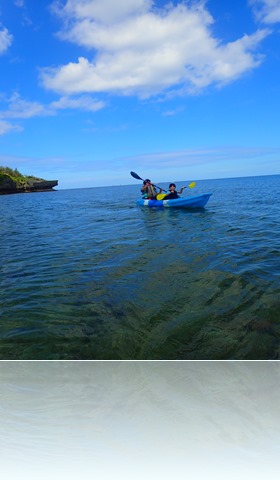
(10, 184)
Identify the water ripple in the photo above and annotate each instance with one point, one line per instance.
(87, 274)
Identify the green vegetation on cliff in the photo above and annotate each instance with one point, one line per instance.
(15, 175)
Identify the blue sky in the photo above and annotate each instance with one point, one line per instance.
(182, 90)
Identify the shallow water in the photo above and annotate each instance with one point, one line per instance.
(86, 274)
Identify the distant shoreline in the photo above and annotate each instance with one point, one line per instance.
(12, 181)
(43, 186)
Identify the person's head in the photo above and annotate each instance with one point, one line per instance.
(146, 181)
(172, 187)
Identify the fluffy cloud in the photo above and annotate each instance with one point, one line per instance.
(138, 49)
(267, 11)
(5, 39)
(18, 108)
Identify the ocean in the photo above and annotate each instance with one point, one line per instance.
(85, 274)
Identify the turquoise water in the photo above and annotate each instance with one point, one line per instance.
(85, 274)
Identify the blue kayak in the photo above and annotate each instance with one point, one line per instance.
(182, 202)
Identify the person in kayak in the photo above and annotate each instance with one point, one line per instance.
(148, 190)
(173, 193)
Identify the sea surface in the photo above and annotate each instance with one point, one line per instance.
(86, 274)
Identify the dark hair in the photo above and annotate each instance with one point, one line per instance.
(172, 185)
(147, 181)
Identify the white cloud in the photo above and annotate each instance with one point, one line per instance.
(6, 127)
(137, 49)
(267, 11)
(18, 108)
(171, 113)
(194, 157)
(5, 40)
(81, 103)
(105, 11)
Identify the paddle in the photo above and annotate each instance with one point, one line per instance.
(133, 174)
(161, 196)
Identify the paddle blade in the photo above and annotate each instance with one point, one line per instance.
(133, 174)
(161, 196)
(192, 184)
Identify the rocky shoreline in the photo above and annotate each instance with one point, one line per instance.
(9, 185)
